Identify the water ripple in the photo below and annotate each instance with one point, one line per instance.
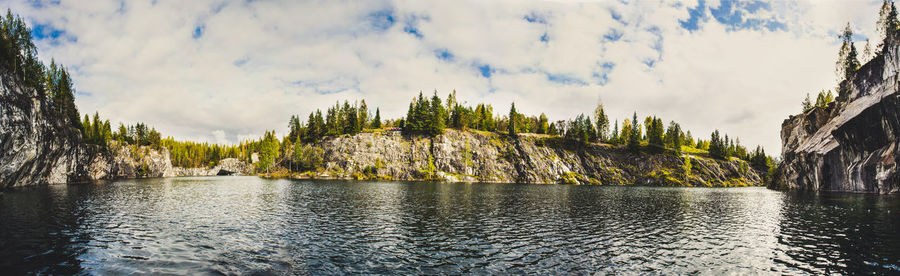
(246, 225)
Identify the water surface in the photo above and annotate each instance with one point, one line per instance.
(242, 225)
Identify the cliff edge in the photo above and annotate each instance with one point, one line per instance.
(852, 144)
(477, 156)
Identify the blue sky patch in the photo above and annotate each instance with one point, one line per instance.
(613, 35)
(617, 17)
(410, 26)
(444, 54)
(198, 31)
(535, 18)
(565, 79)
(45, 31)
(382, 20)
(242, 61)
(734, 14)
(485, 70)
(602, 76)
(696, 15)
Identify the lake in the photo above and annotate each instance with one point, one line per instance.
(244, 225)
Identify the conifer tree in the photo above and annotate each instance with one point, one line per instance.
(376, 122)
(602, 122)
(511, 126)
(634, 139)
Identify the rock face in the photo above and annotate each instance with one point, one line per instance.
(40, 147)
(131, 162)
(35, 145)
(227, 166)
(852, 145)
(474, 156)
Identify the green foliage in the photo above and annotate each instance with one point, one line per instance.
(425, 117)
(634, 135)
(581, 129)
(376, 122)
(602, 123)
(674, 137)
(268, 152)
(513, 121)
(718, 147)
(19, 56)
(543, 126)
(195, 155)
(614, 136)
(686, 168)
(655, 134)
(847, 62)
(807, 104)
(552, 130)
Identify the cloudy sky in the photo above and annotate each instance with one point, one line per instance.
(222, 71)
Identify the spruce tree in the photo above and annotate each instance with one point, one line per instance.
(634, 139)
(511, 126)
(376, 122)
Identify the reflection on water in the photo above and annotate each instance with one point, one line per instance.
(241, 225)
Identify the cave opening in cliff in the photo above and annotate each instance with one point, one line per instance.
(225, 172)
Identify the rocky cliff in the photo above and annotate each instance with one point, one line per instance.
(36, 145)
(851, 145)
(474, 156)
(227, 166)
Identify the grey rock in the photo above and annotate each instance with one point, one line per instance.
(851, 145)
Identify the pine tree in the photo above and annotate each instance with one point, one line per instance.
(615, 133)
(552, 130)
(376, 122)
(602, 122)
(542, 124)
(807, 104)
(511, 126)
(634, 138)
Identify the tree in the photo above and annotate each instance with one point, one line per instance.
(543, 126)
(807, 104)
(294, 125)
(297, 155)
(847, 62)
(268, 151)
(552, 130)
(820, 100)
(376, 122)
(363, 115)
(673, 137)
(867, 52)
(437, 116)
(615, 133)
(718, 147)
(887, 23)
(511, 126)
(602, 122)
(634, 139)
(655, 134)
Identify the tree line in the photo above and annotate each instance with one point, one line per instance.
(53, 83)
(848, 61)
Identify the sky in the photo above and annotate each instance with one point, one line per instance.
(226, 71)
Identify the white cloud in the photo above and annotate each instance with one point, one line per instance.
(256, 63)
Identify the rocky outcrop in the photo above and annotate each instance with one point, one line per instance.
(852, 145)
(131, 162)
(227, 166)
(474, 156)
(36, 145)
